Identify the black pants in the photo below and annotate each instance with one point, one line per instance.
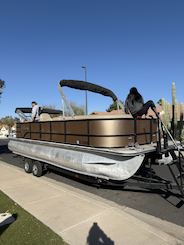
(145, 108)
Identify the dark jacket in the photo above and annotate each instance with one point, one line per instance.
(132, 105)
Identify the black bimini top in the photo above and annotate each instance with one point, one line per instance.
(88, 86)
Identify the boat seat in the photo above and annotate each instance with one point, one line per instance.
(45, 117)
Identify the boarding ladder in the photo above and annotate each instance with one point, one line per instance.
(176, 153)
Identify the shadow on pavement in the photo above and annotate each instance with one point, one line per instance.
(172, 197)
(175, 199)
(4, 149)
(4, 146)
(97, 236)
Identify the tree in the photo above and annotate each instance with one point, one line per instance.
(78, 110)
(113, 106)
(9, 121)
(159, 102)
(49, 107)
(2, 86)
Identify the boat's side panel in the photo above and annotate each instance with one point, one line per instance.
(96, 133)
(107, 166)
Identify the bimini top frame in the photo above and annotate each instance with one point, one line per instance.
(81, 85)
(25, 112)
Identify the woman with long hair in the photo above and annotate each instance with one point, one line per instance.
(135, 104)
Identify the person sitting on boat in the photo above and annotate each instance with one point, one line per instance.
(134, 104)
(35, 112)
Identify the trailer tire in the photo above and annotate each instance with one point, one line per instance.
(37, 169)
(28, 165)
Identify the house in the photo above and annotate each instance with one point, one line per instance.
(4, 132)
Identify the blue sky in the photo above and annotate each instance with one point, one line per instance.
(123, 43)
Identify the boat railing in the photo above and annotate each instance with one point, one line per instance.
(94, 131)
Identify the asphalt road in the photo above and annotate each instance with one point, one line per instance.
(154, 203)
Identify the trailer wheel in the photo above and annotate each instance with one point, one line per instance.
(28, 165)
(37, 169)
